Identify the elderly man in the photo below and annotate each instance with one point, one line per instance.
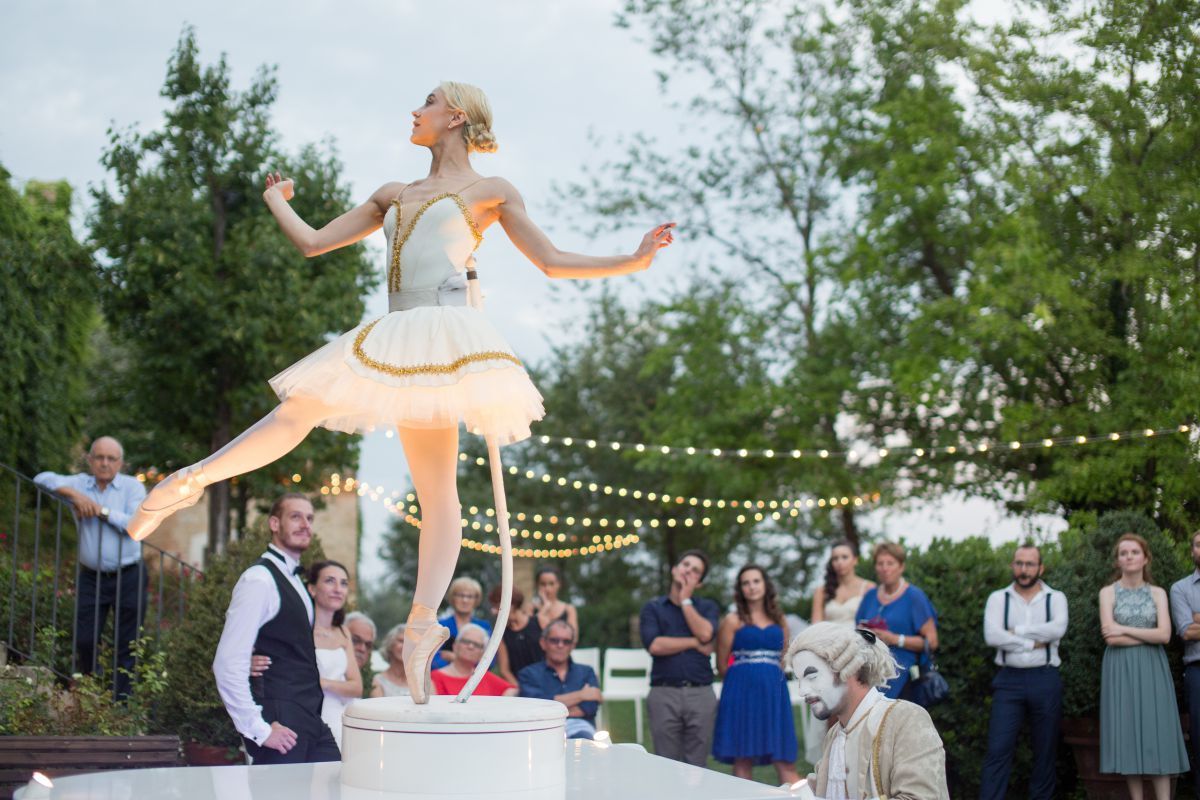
(876, 747)
(111, 575)
(362, 636)
(559, 678)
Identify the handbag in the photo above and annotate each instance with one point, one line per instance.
(930, 687)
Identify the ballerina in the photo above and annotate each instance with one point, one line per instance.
(433, 362)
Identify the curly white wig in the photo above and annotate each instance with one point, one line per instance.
(848, 652)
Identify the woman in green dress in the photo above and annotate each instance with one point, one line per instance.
(1140, 735)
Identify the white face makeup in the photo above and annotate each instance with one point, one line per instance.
(818, 685)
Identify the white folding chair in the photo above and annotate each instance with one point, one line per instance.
(625, 687)
(591, 657)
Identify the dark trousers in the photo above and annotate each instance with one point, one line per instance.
(1191, 680)
(314, 740)
(124, 593)
(1035, 693)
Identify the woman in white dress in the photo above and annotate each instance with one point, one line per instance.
(329, 585)
(838, 599)
(391, 682)
(433, 362)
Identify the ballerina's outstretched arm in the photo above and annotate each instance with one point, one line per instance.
(537, 247)
(353, 226)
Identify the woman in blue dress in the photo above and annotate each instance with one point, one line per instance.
(899, 613)
(754, 720)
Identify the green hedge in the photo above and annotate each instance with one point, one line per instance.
(959, 576)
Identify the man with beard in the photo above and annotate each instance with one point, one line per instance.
(1185, 615)
(1024, 622)
(876, 747)
(278, 713)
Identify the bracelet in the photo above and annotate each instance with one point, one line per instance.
(900, 643)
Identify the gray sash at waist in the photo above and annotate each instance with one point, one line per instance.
(451, 292)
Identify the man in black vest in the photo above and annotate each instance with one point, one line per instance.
(271, 614)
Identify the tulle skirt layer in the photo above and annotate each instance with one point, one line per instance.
(426, 367)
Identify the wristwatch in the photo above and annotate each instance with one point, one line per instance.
(686, 602)
(104, 512)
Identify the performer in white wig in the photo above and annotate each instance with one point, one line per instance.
(876, 748)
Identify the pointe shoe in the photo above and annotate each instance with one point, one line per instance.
(419, 650)
(181, 490)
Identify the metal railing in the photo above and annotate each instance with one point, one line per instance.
(39, 551)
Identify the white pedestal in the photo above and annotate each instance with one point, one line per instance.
(484, 747)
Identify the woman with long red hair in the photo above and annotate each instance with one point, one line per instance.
(1140, 735)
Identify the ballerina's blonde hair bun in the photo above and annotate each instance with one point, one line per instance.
(471, 100)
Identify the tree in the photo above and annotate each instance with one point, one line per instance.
(48, 301)
(1028, 247)
(967, 235)
(200, 287)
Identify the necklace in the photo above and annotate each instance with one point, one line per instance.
(886, 597)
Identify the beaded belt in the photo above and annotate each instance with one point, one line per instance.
(756, 656)
(451, 292)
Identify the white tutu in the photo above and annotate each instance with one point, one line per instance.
(426, 367)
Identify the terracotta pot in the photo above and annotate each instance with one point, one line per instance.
(198, 754)
(1083, 734)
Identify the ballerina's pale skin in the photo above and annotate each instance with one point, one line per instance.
(450, 130)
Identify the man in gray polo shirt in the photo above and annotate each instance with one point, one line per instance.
(1185, 614)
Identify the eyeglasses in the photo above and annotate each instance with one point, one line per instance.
(360, 642)
(471, 644)
(113, 459)
(465, 596)
(867, 635)
(559, 641)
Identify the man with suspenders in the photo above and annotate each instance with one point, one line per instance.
(1024, 622)
(278, 713)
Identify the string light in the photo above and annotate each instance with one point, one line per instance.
(659, 497)
(151, 475)
(599, 544)
(981, 446)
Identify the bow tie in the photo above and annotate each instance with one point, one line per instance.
(299, 571)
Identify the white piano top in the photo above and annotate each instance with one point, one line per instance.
(593, 772)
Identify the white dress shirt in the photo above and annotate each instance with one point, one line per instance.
(842, 783)
(1029, 625)
(255, 602)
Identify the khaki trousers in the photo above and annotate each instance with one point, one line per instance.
(681, 722)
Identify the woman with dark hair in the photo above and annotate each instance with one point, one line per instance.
(549, 582)
(754, 720)
(838, 600)
(520, 645)
(329, 584)
(1139, 719)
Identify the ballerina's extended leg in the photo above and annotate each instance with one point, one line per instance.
(433, 461)
(273, 436)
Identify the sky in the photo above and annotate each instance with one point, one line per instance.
(560, 76)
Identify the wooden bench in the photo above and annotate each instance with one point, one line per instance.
(59, 756)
